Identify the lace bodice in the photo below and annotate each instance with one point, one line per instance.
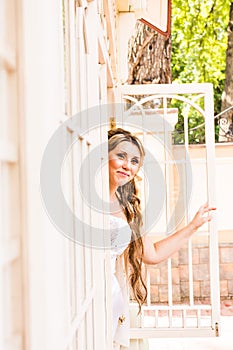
(120, 237)
(120, 234)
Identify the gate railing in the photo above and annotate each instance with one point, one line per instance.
(188, 181)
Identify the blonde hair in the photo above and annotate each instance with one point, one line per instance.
(130, 202)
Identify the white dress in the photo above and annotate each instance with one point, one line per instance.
(120, 238)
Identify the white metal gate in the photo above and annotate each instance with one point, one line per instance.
(182, 301)
(88, 292)
(86, 285)
(11, 320)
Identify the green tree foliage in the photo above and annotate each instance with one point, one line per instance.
(199, 43)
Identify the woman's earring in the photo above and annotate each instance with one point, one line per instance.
(137, 178)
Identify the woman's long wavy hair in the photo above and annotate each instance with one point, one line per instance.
(130, 202)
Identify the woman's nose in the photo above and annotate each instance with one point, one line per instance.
(126, 164)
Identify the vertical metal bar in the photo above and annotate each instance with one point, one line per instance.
(184, 315)
(170, 301)
(211, 185)
(2, 282)
(88, 258)
(144, 140)
(148, 287)
(169, 266)
(190, 269)
(74, 45)
(187, 180)
(154, 315)
(107, 288)
(156, 318)
(187, 218)
(80, 253)
(3, 102)
(167, 147)
(198, 318)
(142, 319)
(165, 162)
(186, 133)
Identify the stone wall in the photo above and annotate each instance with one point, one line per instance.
(201, 275)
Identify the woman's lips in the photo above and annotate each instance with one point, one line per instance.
(123, 174)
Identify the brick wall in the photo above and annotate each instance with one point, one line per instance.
(201, 275)
(226, 270)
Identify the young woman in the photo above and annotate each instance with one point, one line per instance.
(126, 155)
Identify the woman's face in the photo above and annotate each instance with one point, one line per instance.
(124, 163)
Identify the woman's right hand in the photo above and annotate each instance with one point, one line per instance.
(202, 216)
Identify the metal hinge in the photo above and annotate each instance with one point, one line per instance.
(216, 329)
(112, 122)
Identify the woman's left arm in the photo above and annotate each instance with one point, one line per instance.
(154, 253)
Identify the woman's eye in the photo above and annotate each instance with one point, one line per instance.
(135, 161)
(120, 155)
